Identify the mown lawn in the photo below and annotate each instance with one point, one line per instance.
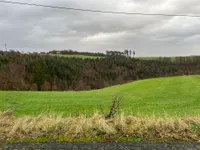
(173, 96)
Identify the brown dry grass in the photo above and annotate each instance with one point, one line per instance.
(55, 127)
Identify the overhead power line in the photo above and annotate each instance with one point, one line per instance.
(101, 11)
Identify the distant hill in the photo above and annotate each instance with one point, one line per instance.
(71, 52)
(44, 72)
(77, 56)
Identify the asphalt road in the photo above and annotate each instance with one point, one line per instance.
(103, 146)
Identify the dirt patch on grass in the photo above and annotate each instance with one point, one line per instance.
(81, 128)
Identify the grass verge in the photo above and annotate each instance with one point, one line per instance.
(96, 128)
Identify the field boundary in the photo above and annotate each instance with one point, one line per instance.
(44, 128)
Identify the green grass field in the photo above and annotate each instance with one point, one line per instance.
(77, 56)
(174, 96)
(154, 58)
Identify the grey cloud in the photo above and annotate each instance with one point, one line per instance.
(37, 28)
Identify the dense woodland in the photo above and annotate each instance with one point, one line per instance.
(44, 72)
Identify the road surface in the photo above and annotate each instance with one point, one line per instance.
(103, 146)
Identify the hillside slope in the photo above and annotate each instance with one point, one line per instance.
(77, 56)
(174, 96)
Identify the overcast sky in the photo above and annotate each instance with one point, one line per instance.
(31, 28)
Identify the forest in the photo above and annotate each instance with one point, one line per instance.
(36, 72)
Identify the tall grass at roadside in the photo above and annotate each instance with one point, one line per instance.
(56, 127)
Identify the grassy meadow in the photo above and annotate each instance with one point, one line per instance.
(172, 96)
(155, 58)
(77, 56)
(159, 109)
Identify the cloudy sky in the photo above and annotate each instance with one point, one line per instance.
(31, 28)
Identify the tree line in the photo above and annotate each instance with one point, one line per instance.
(72, 52)
(126, 52)
(51, 73)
